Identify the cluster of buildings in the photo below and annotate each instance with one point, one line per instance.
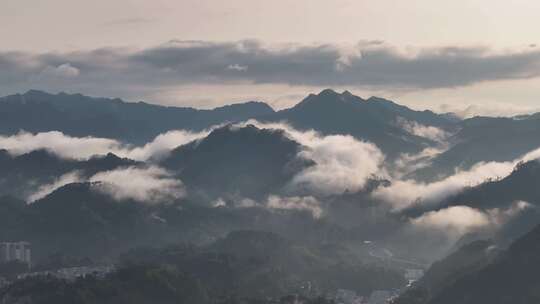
(15, 251)
(22, 252)
(73, 273)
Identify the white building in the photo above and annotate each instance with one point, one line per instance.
(15, 251)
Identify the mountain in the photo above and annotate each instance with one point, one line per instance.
(516, 197)
(484, 139)
(523, 184)
(79, 220)
(511, 278)
(376, 120)
(237, 161)
(442, 274)
(79, 115)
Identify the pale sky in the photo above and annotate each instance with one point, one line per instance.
(415, 42)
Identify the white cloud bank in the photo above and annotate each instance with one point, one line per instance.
(404, 193)
(69, 147)
(457, 221)
(59, 144)
(147, 185)
(430, 132)
(343, 163)
(307, 203)
(275, 202)
(44, 190)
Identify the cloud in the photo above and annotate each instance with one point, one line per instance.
(500, 216)
(149, 185)
(405, 193)
(65, 70)
(237, 67)
(162, 144)
(342, 163)
(407, 163)
(402, 194)
(457, 221)
(137, 72)
(59, 144)
(308, 203)
(44, 190)
(430, 132)
(276, 202)
(85, 147)
(454, 220)
(496, 109)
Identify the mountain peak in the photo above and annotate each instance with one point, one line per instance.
(258, 107)
(329, 97)
(328, 93)
(34, 92)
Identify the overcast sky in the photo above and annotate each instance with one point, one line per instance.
(475, 56)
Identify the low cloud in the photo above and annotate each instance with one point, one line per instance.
(162, 144)
(408, 163)
(59, 144)
(308, 203)
(402, 194)
(342, 163)
(405, 193)
(44, 190)
(496, 109)
(85, 147)
(430, 132)
(501, 216)
(454, 220)
(149, 185)
(457, 221)
(275, 202)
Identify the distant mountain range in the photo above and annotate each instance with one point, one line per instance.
(375, 120)
(78, 115)
(388, 125)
